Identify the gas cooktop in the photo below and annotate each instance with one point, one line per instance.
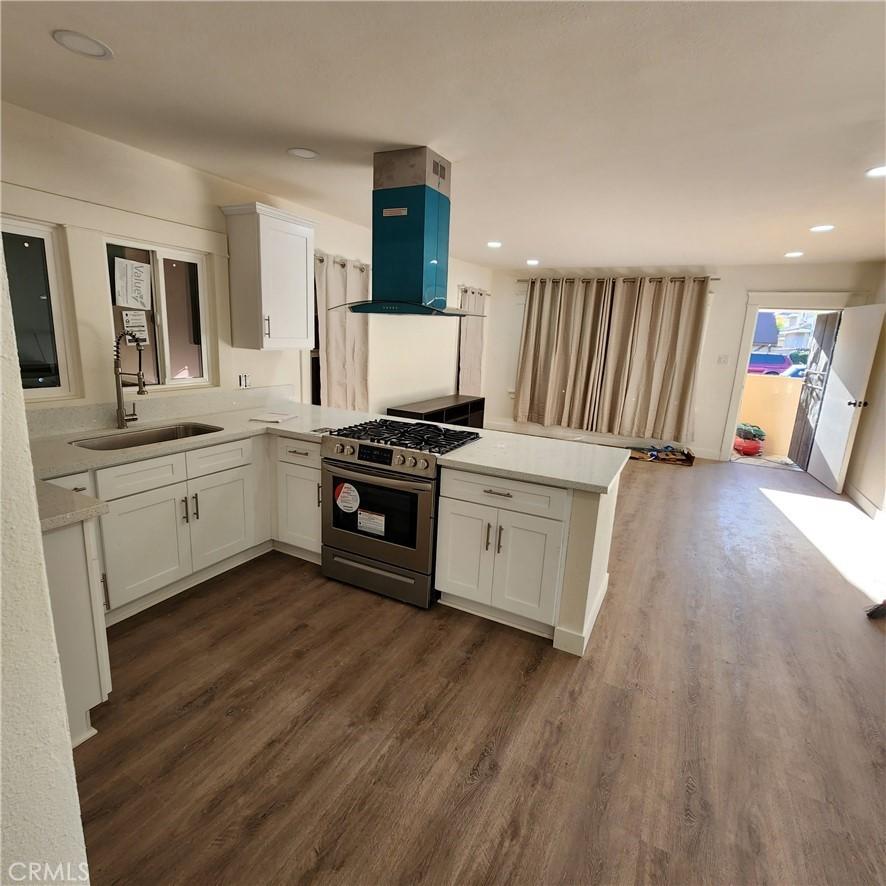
(409, 447)
(408, 435)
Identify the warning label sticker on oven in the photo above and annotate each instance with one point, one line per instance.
(347, 498)
(369, 521)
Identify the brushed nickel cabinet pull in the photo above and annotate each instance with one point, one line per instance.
(488, 530)
(196, 498)
(186, 516)
(498, 545)
(78, 489)
(297, 452)
(104, 581)
(319, 488)
(497, 492)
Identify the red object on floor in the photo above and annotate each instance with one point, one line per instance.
(747, 447)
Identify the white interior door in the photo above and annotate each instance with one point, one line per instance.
(847, 383)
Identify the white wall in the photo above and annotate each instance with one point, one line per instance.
(412, 358)
(97, 187)
(40, 807)
(719, 355)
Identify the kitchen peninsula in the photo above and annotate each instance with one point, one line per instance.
(184, 510)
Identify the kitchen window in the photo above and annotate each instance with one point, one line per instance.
(37, 307)
(159, 295)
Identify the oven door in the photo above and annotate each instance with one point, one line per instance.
(385, 517)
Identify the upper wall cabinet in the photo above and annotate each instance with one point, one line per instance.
(272, 278)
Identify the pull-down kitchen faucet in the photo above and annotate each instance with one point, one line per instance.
(124, 417)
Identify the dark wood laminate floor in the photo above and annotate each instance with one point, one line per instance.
(726, 725)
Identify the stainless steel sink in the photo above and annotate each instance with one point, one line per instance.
(128, 439)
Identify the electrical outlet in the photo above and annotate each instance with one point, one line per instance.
(723, 359)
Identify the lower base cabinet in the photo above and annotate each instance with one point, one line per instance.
(500, 558)
(77, 599)
(298, 506)
(155, 538)
(222, 517)
(147, 542)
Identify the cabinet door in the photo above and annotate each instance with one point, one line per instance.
(527, 565)
(298, 506)
(146, 542)
(465, 549)
(222, 515)
(287, 277)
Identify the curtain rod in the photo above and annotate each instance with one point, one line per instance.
(625, 279)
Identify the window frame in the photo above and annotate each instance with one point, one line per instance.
(158, 253)
(58, 303)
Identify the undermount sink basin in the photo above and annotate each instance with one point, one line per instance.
(128, 439)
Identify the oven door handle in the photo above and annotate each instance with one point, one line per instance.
(380, 479)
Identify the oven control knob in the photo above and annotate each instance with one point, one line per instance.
(424, 464)
(399, 459)
(410, 462)
(349, 450)
(339, 448)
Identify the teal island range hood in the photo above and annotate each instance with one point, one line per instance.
(410, 234)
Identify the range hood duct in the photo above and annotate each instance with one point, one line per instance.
(410, 234)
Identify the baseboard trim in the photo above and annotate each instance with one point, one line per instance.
(506, 618)
(294, 551)
(572, 642)
(863, 502)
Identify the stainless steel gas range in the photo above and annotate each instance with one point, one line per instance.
(380, 503)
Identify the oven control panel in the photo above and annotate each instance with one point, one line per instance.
(393, 458)
(377, 455)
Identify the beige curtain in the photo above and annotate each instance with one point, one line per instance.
(470, 343)
(615, 356)
(561, 352)
(343, 336)
(655, 335)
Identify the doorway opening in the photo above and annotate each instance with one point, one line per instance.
(786, 376)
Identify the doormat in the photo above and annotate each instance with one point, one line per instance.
(665, 454)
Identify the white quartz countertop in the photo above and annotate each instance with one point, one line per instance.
(564, 463)
(60, 507)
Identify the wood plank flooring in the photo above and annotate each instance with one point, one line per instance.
(725, 727)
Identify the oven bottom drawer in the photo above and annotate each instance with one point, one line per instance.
(392, 581)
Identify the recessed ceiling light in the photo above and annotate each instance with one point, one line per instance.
(494, 244)
(304, 153)
(876, 172)
(532, 262)
(82, 45)
(821, 229)
(793, 254)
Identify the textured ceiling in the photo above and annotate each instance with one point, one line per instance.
(589, 134)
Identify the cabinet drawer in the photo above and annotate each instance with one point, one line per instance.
(140, 476)
(76, 483)
(510, 495)
(298, 452)
(213, 459)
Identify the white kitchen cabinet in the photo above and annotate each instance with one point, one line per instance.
(271, 278)
(527, 564)
(465, 549)
(298, 505)
(222, 515)
(77, 600)
(505, 557)
(147, 542)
